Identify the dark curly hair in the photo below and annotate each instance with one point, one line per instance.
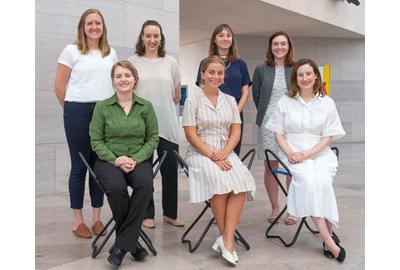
(140, 48)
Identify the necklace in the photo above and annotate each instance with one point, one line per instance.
(125, 105)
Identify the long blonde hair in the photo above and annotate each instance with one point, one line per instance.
(81, 39)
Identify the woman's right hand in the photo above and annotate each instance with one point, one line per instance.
(224, 165)
(126, 164)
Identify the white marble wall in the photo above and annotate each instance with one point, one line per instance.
(346, 57)
(56, 23)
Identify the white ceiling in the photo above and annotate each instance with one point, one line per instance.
(250, 17)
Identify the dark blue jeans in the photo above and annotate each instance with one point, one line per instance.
(77, 117)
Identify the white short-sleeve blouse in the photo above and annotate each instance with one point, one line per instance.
(90, 78)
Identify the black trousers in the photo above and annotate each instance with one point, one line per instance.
(239, 144)
(169, 175)
(128, 211)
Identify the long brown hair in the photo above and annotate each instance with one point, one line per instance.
(213, 49)
(81, 39)
(295, 88)
(269, 58)
(141, 49)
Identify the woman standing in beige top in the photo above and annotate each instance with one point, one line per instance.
(160, 84)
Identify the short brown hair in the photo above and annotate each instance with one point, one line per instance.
(295, 88)
(209, 60)
(128, 65)
(140, 48)
(269, 58)
(213, 49)
(81, 39)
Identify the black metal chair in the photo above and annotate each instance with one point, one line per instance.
(238, 237)
(286, 172)
(146, 239)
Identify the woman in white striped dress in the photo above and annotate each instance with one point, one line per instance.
(212, 127)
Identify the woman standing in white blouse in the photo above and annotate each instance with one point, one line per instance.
(305, 122)
(82, 78)
(160, 84)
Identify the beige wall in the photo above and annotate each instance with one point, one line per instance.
(336, 12)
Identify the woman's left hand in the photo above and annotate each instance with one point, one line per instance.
(219, 155)
(128, 166)
(296, 157)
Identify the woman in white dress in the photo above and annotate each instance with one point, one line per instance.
(305, 122)
(211, 122)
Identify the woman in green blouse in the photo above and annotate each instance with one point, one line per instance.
(124, 134)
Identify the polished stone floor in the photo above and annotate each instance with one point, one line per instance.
(58, 248)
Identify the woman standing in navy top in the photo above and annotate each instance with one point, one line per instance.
(237, 78)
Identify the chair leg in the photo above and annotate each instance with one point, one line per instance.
(310, 229)
(240, 240)
(96, 249)
(286, 244)
(146, 239)
(198, 242)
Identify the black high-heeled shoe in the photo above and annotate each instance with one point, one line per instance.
(342, 255)
(335, 238)
(327, 253)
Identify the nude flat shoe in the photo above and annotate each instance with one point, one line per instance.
(98, 227)
(82, 231)
(149, 223)
(174, 222)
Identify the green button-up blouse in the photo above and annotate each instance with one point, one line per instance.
(114, 134)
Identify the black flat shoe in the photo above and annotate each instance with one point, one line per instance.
(116, 256)
(111, 249)
(140, 254)
(327, 253)
(342, 255)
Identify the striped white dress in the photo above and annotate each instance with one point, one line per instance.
(213, 126)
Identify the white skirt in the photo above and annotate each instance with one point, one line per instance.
(311, 192)
(207, 179)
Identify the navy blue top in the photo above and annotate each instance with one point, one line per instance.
(236, 76)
